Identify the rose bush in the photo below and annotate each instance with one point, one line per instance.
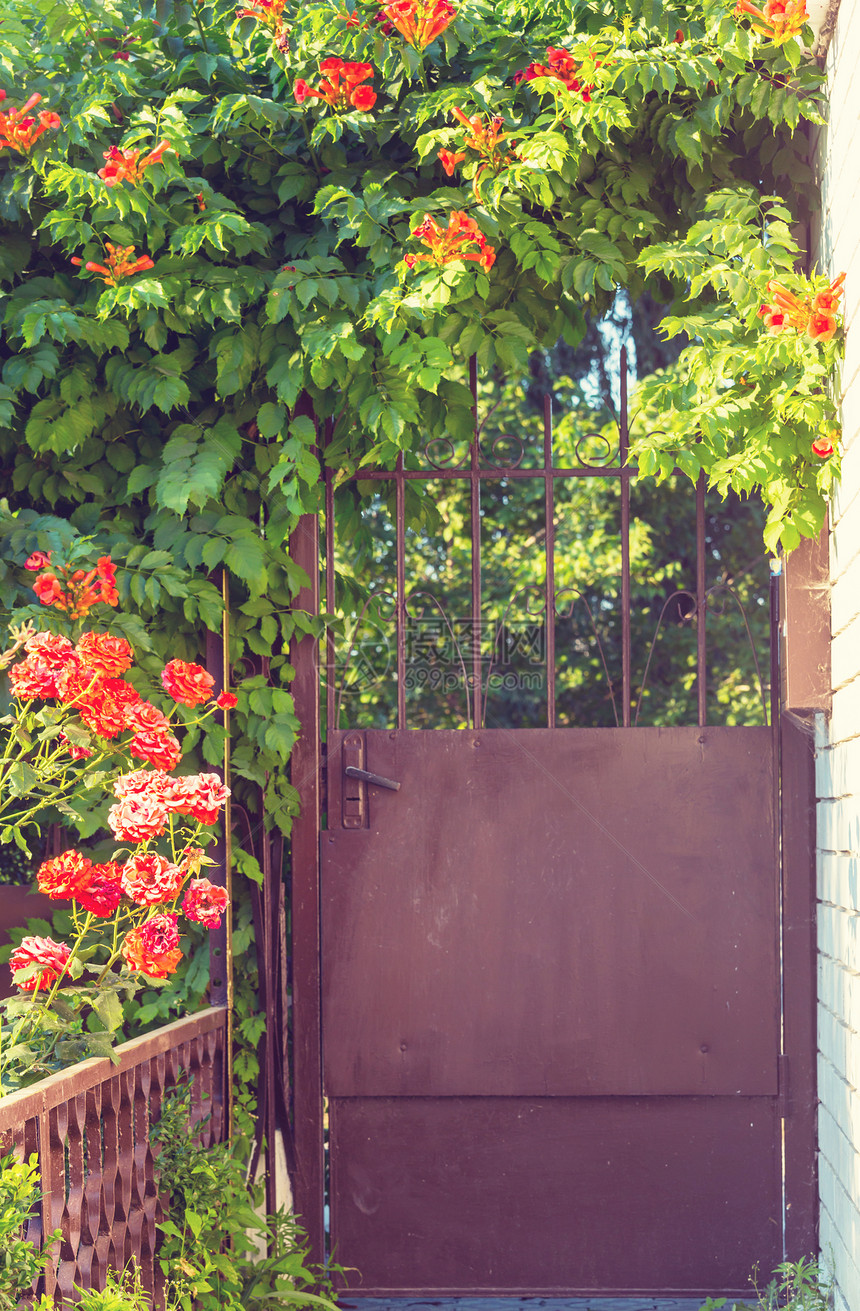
(124, 910)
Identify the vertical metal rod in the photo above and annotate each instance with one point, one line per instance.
(475, 520)
(400, 536)
(330, 599)
(623, 446)
(549, 517)
(308, 1184)
(701, 601)
(228, 858)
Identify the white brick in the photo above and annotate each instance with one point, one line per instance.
(845, 651)
(837, 769)
(839, 824)
(845, 597)
(839, 882)
(838, 1045)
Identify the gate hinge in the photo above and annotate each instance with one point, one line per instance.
(782, 1084)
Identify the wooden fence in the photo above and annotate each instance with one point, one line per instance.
(89, 1127)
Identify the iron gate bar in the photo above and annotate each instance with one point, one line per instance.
(331, 661)
(701, 602)
(473, 471)
(475, 526)
(305, 774)
(623, 444)
(549, 546)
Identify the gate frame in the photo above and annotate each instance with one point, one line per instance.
(794, 776)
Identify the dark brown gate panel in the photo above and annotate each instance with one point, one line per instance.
(550, 961)
(585, 1195)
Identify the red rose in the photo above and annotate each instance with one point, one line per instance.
(109, 655)
(51, 956)
(149, 879)
(139, 781)
(187, 683)
(104, 891)
(65, 875)
(205, 903)
(159, 749)
(153, 949)
(137, 818)
(105, 711)
(226, 701)
(200, 795)
(32, 678)
(153, 740)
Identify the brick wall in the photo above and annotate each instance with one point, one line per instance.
(838, 740)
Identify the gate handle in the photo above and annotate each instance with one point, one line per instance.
(352, 771)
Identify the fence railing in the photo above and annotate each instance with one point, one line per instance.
(89, 1126)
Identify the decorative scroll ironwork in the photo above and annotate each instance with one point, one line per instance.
(89, 1128)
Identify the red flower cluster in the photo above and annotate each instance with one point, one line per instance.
(342, 86)
(147, 798)
(419, 22)
(153, 740)
(561, 65)
(120, 264)
(205, 903)
(815, 318)
(80, 677)
(97, 888)
(269, 13)
(127, 165)
(188, 684)
(20, 132)
(50, 956)
(448, 244)
(485, 138)
(779, 19)
(75, 592)
(153, 949)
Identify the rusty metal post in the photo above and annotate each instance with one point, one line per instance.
(221, 939)
(308, 1184)
(797, 822)
(805, 606)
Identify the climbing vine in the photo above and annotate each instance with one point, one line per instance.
(216, 222)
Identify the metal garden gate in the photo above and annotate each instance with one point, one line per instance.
(549, 981)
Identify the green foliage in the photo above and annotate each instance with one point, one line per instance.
(754, 402)
(210, 1243)
(278, 233)
(796, 1286)
(123, 1291)
(20, 1262)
